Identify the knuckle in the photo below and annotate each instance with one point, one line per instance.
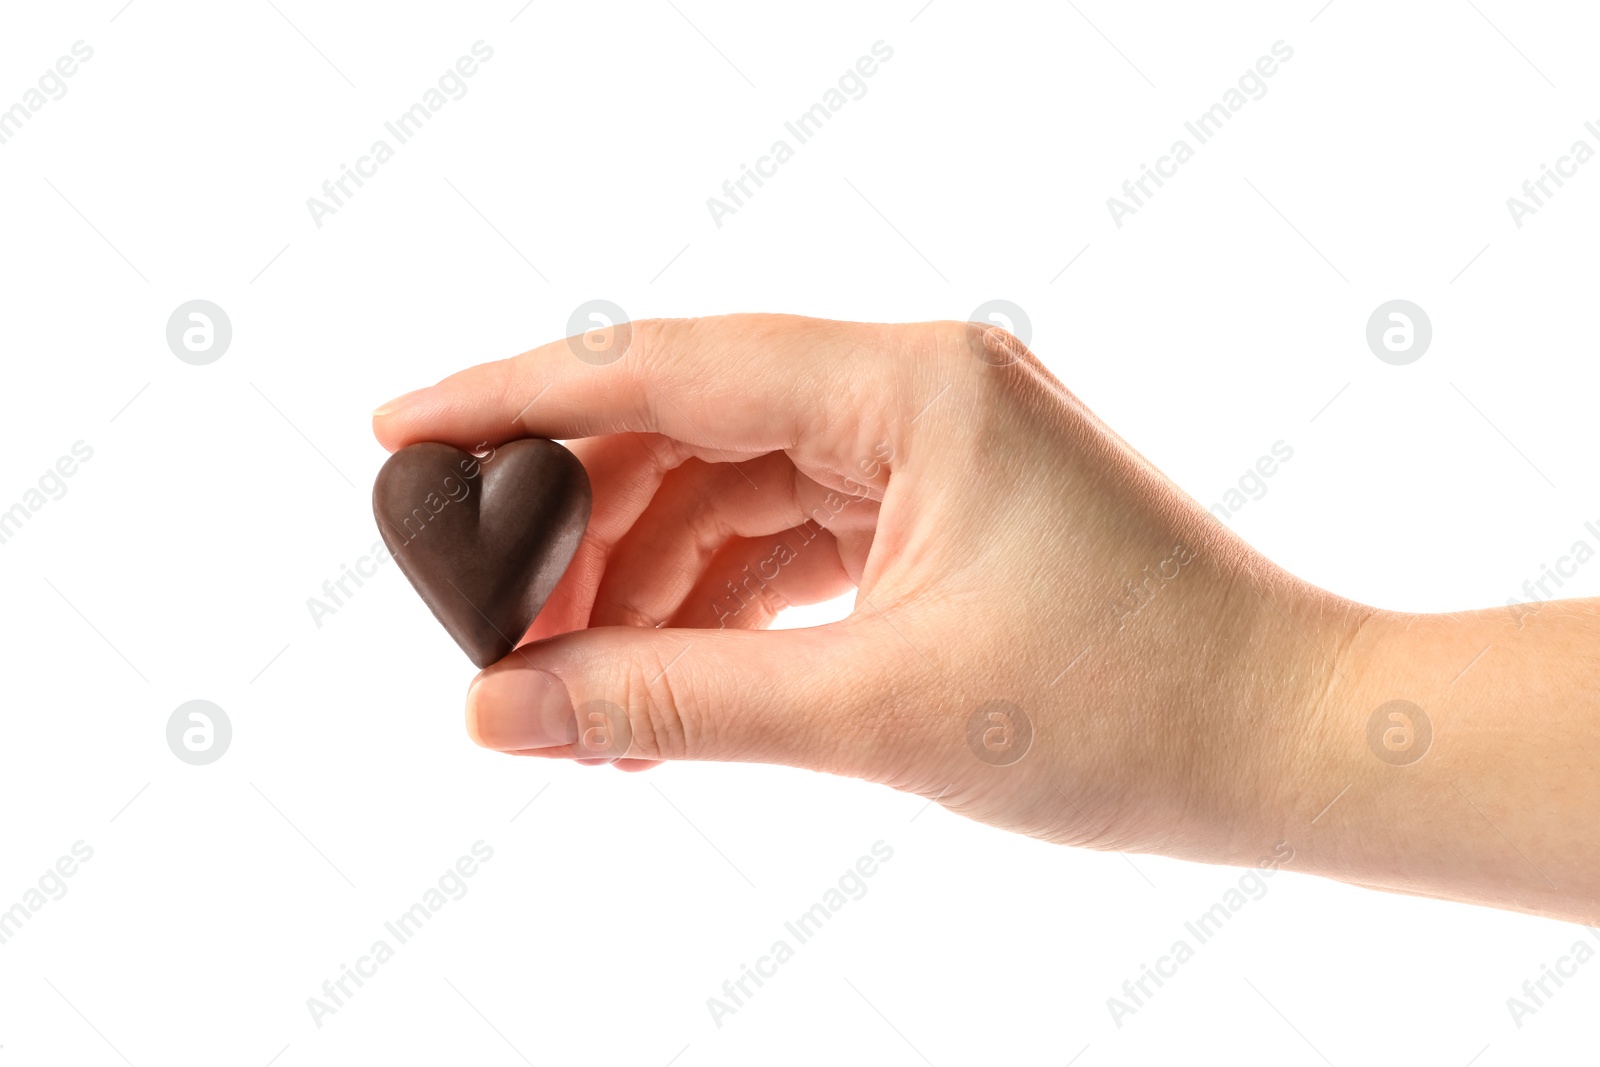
(654, 343)
(963, 344)
(665, 453)
(768, 603)
(657, 723)
(970, 376)
(706, 524)
(1000, 347)
(628, 614)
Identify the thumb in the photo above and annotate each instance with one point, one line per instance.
(792, 697)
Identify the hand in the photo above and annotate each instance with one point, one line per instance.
(1048, 636)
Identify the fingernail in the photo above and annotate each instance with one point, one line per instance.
(401, 401)
(513, 708)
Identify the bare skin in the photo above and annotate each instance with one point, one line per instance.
(1048, 636)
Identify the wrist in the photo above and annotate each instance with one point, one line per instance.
(1232, 689)
(1267, 776)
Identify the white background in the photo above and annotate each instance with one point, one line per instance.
(1223, 317)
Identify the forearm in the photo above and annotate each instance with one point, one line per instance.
(1486, 790)
(1243, 716)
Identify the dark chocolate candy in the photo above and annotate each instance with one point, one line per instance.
(483, 539)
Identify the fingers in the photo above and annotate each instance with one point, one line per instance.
(625, 470)
(698, 508)
(655, 526)
(792, 697)
(751, 579)
(734, 385)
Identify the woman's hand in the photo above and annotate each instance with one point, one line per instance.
(1048, 636)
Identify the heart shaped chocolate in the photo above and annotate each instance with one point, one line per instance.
(483, 538)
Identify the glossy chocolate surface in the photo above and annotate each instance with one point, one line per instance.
(484, 539)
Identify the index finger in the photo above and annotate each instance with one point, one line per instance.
(736, 383)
